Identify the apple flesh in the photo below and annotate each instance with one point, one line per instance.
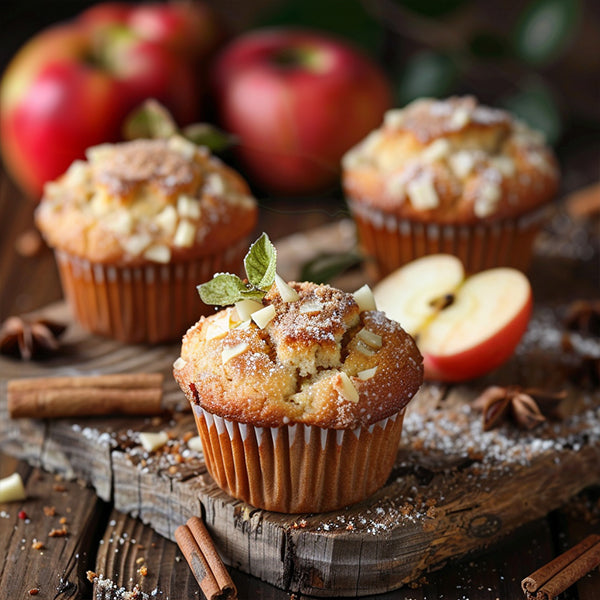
(297, 100)
(463, 326)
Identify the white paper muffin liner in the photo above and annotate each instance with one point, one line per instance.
(389, 241)
(298, 468)
(151, 303)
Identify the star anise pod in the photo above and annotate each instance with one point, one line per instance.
(29, 338)
(528, 407)
(584, 316)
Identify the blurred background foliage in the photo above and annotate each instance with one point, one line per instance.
(538, 58)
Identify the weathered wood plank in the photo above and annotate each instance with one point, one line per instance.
(454, 488)
(58, 569)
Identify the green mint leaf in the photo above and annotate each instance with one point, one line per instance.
(223, 289)
(261, 263)
(252, 294)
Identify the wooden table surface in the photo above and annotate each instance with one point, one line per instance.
(103, 540)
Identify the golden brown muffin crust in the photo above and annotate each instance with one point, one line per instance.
(451, 161)
(146, 200)
(297, 368)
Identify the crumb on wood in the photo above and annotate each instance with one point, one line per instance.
(37, 545)
(62, 532)
(49, 511)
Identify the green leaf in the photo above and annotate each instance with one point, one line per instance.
(150, 120)
(261, 263)
(545, 28)
(427, 74)
(535, 104)
(223, 289)
(204, 134)
(323, 268)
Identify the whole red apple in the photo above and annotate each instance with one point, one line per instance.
(71, 86)
(297, 100)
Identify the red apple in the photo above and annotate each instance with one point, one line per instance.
(72, 85)
(297, 100)
(464, 327)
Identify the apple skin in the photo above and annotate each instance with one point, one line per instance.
(480, 359)
(72, 85)
(297, 100)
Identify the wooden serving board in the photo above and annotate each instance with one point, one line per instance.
(454, 488)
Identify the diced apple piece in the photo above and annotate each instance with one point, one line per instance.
(348, 389)
(310, 307)
(367, 373)
(264, 316)
(365, 299)
(153, 441)
(245, 308)
(230, 352)
(195, 443)
(12, 488)
(179, 364)
(286, 291)
(370, 338)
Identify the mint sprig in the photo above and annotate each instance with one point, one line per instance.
(260, 263)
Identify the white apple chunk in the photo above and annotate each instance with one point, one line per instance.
(464, 327)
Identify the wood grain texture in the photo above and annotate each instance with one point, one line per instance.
(58, 568)
(421, 519)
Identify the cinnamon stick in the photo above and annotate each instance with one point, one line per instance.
(55, 397)
(562, 572)
(201, 555)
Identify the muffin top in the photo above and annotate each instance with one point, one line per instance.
(451, 161)
(319, 359)
(161, 200)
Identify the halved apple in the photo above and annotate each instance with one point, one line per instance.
(463, 326)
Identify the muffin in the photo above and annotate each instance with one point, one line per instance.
(135, 226)
(449, 176)
(303, 411)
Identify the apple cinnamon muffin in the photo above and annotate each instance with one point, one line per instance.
(449, 176)
(136, 225)
(299, 405)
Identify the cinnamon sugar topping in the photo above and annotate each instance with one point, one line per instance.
(144, 162)
(308, 367)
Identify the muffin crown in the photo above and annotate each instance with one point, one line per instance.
(317, 360)
(161, 200)
(451, 161)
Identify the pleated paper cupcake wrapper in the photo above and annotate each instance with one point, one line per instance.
(152, 303)
(298, 468)
(390, 242)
